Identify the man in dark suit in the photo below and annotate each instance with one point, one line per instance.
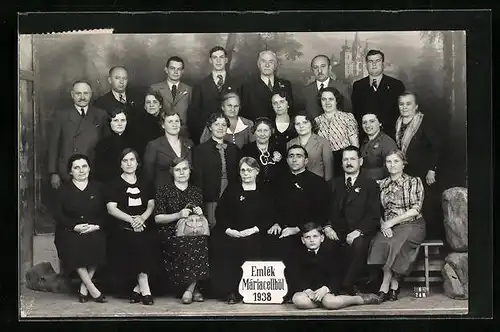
(76, 129)
(378, 94)
(176, 94)
(208, 93)
(355, 216)
(321, 68)
(257, 92)
(120, 96)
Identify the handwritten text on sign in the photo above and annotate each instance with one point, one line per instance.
(263, 282)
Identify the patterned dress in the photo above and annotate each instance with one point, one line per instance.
(184, 259)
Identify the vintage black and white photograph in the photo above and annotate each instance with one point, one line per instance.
(243, 174)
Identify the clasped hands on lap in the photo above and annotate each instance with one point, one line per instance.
(287, 231)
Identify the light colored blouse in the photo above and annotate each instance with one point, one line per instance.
(319, 154)
(337, 129)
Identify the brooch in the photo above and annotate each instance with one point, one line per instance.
(376, 145)
(242, 198)
(388, 87)
(92, 197)
(229, 88)
(357, 189)
(281, 85)
(297, 185)
(276, 156)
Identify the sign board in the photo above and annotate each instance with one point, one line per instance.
(263, 282)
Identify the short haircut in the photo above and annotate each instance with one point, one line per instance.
(83, 81)
(297, 146)
(310, 226)
(126, 151)
(155, 94)
(409, 93)
(215, 49)
(308, 117)
(112, 69)
(115, 111)
(74, 158)
(163, 115)
(176, 59)
(260, 121)
(351, 148)
(339, 98)
(320, 56)
(228, 96)
(217, 115)
(401, 155)
(176, 161)
(284, 94)
(250, 161)
(269, 52)
(374, 52)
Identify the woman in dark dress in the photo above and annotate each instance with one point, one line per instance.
(266, 151)
(130, 203)
(375, 147)
(146, 126)
(79, 214)
(419, 140)
(108, 150)
(243, 215)
(284, 129)
(402, 228)
(184, 258)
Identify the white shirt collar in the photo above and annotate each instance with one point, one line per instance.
(172, 84)
(215, 74)
(240, 126)
(117, 95)
(86, 109)
(325, 83)
(353, 177)
(266, 78)
(315, 250)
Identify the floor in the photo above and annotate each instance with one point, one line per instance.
(48, 305)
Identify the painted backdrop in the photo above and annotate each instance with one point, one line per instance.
(430, 63)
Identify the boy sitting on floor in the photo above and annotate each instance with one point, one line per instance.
(316, 277)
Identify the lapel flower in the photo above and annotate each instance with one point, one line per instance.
(229, 88)
(132, 102)
(242, 198)
(281, 85)
(376, 145)
(357, 189)
(92, 197)
(276, 156)
(184, 93)
(388, 87)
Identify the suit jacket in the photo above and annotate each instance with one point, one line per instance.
(256, 97)
(357, 209)
(206, 100)
(108, 102)
(310, 97)
(315, 270)
(383, 102)
(179, 105)
(208, 167)
(158, 158)
(70, 134)
(319, 154)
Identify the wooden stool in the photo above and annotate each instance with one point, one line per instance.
(427, 266)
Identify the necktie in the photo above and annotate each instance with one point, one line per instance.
(174, 91)
(374, 84)
(82, 112)
(269, 85)
(349, 183)
(220, 82)
(321, 86)
(122, 99)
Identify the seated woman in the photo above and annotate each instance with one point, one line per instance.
(160, 152)
(215, 164)
(239, 131)
(266, 151)
(79, 213)
(338, 127)
(108, 150)
(375, 147)
(243, 214)
(284, 129)
(184, 258)
(317, 278)
(419, 140)
(130, 203)
(402, 228)
(320, 155)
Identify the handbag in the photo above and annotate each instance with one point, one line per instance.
(193, 225)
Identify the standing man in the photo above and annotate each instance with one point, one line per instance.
(176, 94)
(76, 129)
(377, 94)
(120, 95)
(256, 93)
(355, 216)
(208, 93)
(321, 68)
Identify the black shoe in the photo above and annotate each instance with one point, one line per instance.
(393, 294)
(147, 300)
(382, 296)
(371, 298)
(100, 299)
(232, 299)
(135, 297)
(83, 298)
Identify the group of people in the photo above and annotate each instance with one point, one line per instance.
(275, 180)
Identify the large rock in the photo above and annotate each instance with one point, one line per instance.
(456, 276)
(456, 224)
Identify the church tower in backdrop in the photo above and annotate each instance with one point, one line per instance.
(353, 60)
